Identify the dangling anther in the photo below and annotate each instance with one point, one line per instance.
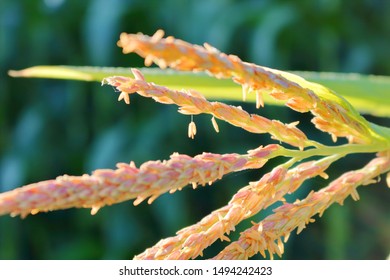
(215, 125)
(259, 100)
(125, 96)
(191, 128)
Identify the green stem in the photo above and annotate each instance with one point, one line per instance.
(341, 150)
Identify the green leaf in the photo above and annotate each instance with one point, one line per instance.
(368, 94)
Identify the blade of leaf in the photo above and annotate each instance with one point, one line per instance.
(367, 93)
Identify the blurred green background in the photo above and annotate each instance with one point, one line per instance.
(49, 128)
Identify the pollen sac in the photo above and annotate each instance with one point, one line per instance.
(191, 130)
(215, 125)
(259, 100)
(125, 96)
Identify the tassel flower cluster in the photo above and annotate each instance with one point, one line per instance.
(332, 113)
(305, 160)
(193, 103)
(267, 234)
(106, 186)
